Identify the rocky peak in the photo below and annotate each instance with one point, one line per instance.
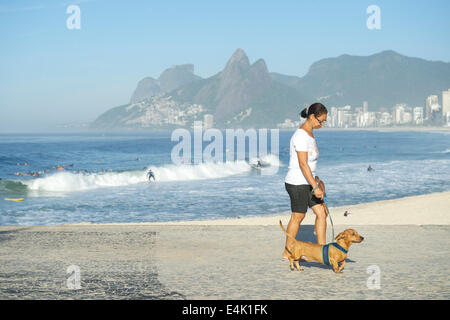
(237, 64)
(176, 76)
(146, 88)
(171, 79)
(260, 67)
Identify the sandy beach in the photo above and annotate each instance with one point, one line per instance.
(405, 251)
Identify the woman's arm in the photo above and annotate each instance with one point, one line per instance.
(303, 162)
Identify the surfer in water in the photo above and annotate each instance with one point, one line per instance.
(150, 175)
(259, 165)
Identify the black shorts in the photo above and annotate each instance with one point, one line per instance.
(301, 197)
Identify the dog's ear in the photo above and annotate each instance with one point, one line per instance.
(340, 236)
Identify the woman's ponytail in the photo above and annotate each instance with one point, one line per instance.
(316, 108)
(304, 113)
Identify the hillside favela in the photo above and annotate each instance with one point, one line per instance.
(385, 89)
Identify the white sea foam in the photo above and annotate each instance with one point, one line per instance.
(201, 171)
(67, 181)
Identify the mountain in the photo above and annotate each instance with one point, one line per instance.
(383, 80)
(247, 95)
(169, 80)
(243, 93)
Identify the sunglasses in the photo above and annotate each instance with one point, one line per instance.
(320, 121)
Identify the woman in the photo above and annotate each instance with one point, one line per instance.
(300, 179)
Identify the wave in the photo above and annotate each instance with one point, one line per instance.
(68, 181)
(444, 152)
(11, 186)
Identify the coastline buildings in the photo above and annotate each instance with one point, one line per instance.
(418, 115)
(430, 101)
(208, 121)
(360, 117)
(401, 115)
(288, 124)
(160, 110)
(446, 106)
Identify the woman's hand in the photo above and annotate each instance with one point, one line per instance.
(318, 193)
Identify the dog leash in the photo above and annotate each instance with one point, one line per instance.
(326, 207)
(329, 215)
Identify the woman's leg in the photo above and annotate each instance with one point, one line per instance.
(292, 229)
(321, 223)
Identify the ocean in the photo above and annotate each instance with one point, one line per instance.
(104, 178)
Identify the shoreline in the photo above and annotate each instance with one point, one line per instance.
(407, 128)
(427, 209)
(424, 129)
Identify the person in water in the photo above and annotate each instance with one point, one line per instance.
(300, 181)
(150, 175)
(370, 168)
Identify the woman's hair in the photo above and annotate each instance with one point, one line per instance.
(316, 109)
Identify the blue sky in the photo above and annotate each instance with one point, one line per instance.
(51, 75)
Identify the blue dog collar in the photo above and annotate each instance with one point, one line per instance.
(325, 252)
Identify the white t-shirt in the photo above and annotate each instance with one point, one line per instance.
(301, 141)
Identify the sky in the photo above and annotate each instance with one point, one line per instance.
(52, 75)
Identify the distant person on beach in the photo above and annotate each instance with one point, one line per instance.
(150, 175)
(300, 181)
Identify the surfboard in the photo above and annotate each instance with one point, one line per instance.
(17, 199)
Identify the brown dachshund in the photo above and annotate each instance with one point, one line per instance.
(332, 254)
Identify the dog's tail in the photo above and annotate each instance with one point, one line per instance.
(284, 230)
